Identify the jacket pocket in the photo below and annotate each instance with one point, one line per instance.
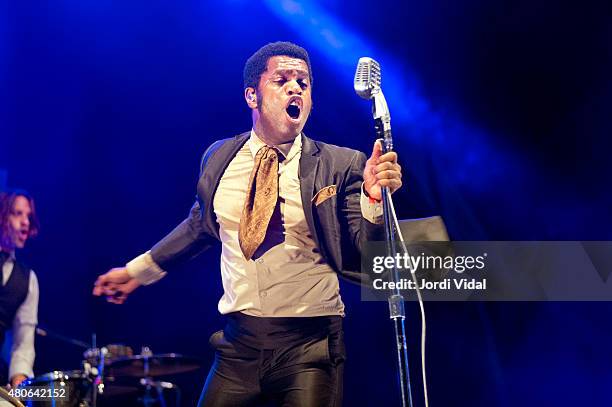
(324, 194)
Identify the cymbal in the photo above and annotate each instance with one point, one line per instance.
(159, 365)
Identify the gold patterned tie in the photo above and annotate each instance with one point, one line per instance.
(262, 194)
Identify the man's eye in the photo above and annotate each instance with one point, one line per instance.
(303, 84)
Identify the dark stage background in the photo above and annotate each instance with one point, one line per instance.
(501, 113)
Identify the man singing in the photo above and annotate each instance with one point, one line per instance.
(291, 214)
(19, 289)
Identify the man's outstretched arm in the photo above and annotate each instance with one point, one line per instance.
(186, 241)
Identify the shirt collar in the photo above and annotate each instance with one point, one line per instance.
(11, 254)
(288, 150)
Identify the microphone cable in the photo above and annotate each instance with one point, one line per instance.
(419, 296)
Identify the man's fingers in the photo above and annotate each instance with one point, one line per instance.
(382, 170)
(116, 299)
(105, 288)
(98, 289)
(391, 156)
(376, 151)
(389, 174)
(110, 291)
(110, 282)
(388, 166)
(392, 184)
(116, 295)
(384, 166)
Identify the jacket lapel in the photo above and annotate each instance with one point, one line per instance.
(218, 161)
(309, 165)
(212, 171)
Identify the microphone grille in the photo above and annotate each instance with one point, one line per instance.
(367, 77)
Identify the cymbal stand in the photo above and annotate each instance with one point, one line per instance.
(96, 373)
(148, 399)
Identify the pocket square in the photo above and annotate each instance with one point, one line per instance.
(324, 194)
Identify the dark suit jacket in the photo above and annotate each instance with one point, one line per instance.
(337, 226)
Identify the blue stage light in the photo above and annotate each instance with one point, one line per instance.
(468, 148)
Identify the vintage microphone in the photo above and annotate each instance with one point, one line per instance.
(367, 85)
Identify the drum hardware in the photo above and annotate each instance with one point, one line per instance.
(73, 387)
(47, 333)
(146, 366)
(98, 380)
(114, 351)
(153, 365)
(114, 371)
(149, 384)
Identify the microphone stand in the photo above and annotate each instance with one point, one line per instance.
(382, 125)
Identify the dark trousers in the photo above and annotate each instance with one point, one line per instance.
(285, 362)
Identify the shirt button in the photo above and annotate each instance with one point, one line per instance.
(263, 294)
(260, 261)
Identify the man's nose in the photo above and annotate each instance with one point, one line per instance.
(294, 88)
(25, 221)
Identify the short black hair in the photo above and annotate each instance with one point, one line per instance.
(258, 62)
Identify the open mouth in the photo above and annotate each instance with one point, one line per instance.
(293, 111)
(294, 108)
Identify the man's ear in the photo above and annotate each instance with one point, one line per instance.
(250, 95)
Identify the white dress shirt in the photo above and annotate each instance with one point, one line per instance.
(24, 325)
(287, 276)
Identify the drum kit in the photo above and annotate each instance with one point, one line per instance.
(113, 375)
